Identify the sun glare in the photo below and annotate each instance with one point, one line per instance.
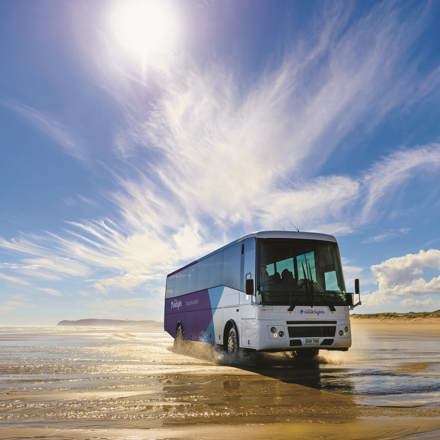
(146, 30)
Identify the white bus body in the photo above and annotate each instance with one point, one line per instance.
(276, 290)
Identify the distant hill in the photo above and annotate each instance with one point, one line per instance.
(409, 315)
(108, 322)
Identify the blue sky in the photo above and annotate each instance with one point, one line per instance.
(136, 138)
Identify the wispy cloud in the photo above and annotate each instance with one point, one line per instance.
(248, 151)
(57, 132)
(387, 235)
(389, 175)
(211, 157)
(145, 307)
(13, 279)
(39, 259)
(50, 291)
(14, 302)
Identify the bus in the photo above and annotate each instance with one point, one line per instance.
(266, 291)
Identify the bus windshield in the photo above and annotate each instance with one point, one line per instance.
(300, 272)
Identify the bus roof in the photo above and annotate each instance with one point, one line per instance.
(289, 234)
(268, 234)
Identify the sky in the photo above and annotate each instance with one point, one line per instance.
(137, 136)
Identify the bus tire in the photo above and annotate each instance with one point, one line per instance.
(232, 344)
(179, 340)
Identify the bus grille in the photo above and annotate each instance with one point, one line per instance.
(315, 331)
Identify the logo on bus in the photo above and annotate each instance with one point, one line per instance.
(311, 312)
(176, 304)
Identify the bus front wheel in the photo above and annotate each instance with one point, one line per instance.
(232, 345)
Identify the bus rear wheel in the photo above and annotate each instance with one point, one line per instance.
(179, 340)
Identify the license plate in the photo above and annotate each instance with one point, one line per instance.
(311, 341)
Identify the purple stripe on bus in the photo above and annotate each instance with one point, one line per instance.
(193, 310)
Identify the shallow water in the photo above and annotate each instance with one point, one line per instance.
(79, 382)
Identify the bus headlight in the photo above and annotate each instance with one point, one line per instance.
(341, 333)
(276, 331)
(346, 329)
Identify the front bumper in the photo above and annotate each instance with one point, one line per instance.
(326, 335)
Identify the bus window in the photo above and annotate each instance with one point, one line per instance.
(331, 281)
(285, 264)
(270, 269)
(306, 262)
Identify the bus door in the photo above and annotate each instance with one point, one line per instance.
(247, 302)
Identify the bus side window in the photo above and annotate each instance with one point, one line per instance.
(232, 267)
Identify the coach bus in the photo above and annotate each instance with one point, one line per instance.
(267, 291)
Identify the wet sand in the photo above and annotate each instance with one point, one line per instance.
(104, 383)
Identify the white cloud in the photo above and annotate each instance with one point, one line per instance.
(226, 157)
(399, 271)
(404, 277)
(421, 304)
(376, 298)
(415, 287)
(41, 260)
(243, 155)
(52, 128)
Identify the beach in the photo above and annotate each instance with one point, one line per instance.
(120, 383)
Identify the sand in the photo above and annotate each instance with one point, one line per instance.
(102, 383)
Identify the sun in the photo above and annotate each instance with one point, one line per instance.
(146, 31)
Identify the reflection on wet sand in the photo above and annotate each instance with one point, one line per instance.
(101, 383)
(280, 366)
(253, 399)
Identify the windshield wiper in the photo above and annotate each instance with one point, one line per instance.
(307, 281)
(312, 288)
(310, 281)
(291, 305)
(327, 300)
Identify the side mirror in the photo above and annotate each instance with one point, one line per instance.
(357, 292)
(249, 286)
